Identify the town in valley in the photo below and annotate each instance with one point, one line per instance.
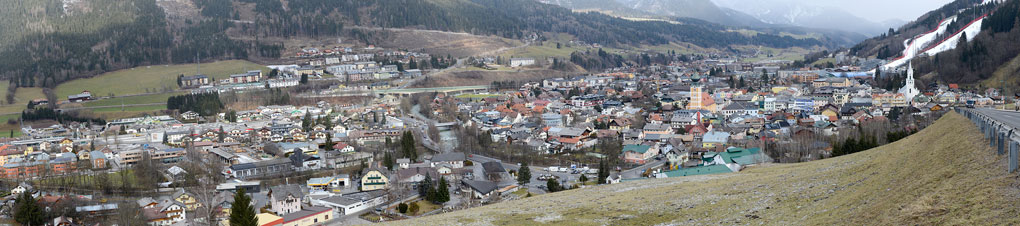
(355, 129)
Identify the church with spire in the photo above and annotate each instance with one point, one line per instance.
(909, 90)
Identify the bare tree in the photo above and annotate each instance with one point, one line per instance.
(146, 172)
(129, 216)
(103, 180)
(272, 149)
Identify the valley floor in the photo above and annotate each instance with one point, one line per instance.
(943, 175)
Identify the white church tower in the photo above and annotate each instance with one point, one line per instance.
(909, 90)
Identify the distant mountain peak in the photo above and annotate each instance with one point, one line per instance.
(804, 14)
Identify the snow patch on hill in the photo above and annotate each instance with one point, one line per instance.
(971, 30)
(918, 44)
(925, 45)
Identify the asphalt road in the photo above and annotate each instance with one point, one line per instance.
(1011, 118)
(537, 171)
(533, 185)
(636, 171)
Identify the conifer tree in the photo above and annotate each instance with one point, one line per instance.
(523, 174)
(242, 213)
(442, 191)
(27, 211)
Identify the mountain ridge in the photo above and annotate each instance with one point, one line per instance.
(788, 12)
(705, 10)
(42, 60)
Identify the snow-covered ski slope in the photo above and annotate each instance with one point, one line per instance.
(971, 30)
(918, 44)
(924, 44)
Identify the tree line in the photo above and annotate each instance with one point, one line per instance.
(45, 113)
(506, 18)
(48, 59)
(205, 104)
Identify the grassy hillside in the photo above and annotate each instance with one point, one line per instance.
(141, 99)
(1006, 74)
(942, 175)
(152, 78)
(21, 98)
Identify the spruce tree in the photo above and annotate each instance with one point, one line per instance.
(603, 172)
(552, 185)
(442, 192)
(407, 146)
(27, 211)
(424, 186)
(242, 213)
(306, 122)
(431, 193)
(222, 134)
(524, 174)
(402, 207)
(329, 141)
(388, 160)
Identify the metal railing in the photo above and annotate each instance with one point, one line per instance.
(1000, 135)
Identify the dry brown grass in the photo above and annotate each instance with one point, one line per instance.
(481, 77)
(943, 175)
(443, 43)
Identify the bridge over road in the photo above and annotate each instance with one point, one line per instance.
(1001, 129)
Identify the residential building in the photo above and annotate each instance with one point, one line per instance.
(455, 159)
(286, 199)
(195, 80)
(308, 217)
(639, 154)
(260, 169)
(374, 179)
(353, 203)
(521, 62)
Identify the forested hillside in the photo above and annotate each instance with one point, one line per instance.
(51, 42)
(506, 18)
(972, 61)
(890, 44)
(987, 52)
(96, 36)
(22, 18)
(55, 47)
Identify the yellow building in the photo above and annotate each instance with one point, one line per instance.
(268, 219)
(308, 216)
(189, 201)
(374, 180)
(778, 89)
(831, 113)
(8, 152)
(700, 100)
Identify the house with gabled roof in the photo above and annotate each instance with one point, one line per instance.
(286, 199)
(479, 189)
(374, 179)
(639, 153)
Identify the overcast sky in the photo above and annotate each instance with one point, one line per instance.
(881, 10)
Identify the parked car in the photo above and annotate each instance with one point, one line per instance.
(548, 177)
